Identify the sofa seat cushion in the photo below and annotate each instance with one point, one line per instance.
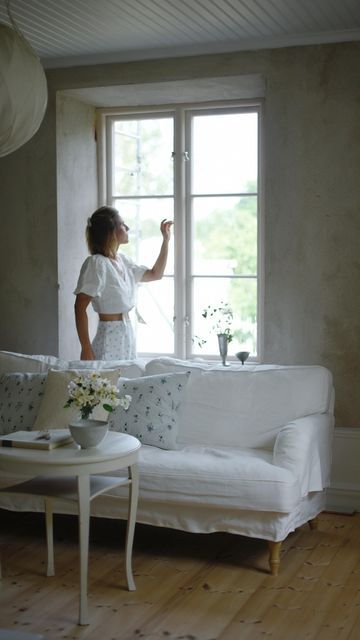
(206, 476)
(224, 477)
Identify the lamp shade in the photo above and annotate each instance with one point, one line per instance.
(23, 91)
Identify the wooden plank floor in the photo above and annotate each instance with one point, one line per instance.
(189, 587)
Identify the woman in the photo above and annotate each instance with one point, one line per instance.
(108, 280)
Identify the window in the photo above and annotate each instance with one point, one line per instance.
(200, 166)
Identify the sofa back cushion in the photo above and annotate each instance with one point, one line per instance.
(129, 368)
(244, 406)
(11, 362)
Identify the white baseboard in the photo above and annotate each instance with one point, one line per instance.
(344, 491)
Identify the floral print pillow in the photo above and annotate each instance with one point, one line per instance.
(20, 398)
(152, 415)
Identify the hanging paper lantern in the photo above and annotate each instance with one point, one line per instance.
(23, 90)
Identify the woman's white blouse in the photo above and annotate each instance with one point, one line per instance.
(110, 283)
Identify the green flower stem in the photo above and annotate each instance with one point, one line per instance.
(86, 411)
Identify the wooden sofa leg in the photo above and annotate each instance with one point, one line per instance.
(313, 524)
(274, 556)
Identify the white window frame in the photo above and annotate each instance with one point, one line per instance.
(182, 209)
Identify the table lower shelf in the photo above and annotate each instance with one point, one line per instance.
(65, 487)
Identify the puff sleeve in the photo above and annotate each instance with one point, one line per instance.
(136, 269)
(92, 277)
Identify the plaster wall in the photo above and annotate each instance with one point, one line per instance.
(312, 304)
(76, 199)
(311, 217)
(28, 247)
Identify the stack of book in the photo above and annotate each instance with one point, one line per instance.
(47, 440)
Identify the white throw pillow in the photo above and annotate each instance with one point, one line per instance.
(52, 413)
(20, 398)
(152, 415)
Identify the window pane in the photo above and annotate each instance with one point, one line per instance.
(156, 307)
(225, 236)
(224, 153)
(143, 163)
(217, 215)
(144, 218)
(241, 295)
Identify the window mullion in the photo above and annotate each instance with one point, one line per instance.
(189, 234)
(109, 162)
(179, 235)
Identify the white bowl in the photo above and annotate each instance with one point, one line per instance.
(88, 433)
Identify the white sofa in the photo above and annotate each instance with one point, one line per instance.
(253, 450)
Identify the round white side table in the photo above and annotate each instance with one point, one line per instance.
(75, 474)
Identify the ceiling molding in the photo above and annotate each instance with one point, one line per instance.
(203, 49)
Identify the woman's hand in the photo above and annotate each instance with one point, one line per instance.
(157, 272)
(165, 228)
(87, 354)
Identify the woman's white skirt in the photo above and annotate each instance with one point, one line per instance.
(114, 340)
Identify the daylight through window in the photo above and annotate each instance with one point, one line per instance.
(199, 166)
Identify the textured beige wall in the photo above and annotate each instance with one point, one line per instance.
(28, 248)
(312, 309)
(312, 196)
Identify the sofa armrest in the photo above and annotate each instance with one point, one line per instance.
(304, 447)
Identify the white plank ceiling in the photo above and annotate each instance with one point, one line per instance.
(71, 32)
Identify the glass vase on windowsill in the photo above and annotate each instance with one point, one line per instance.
(223, 341)
(220, 319)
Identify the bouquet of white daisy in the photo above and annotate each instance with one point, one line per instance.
(220, 318)
(89, 390)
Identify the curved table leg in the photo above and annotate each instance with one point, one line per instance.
(133, 500)
(83, 483)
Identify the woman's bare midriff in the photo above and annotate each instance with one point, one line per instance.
(110, 317)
